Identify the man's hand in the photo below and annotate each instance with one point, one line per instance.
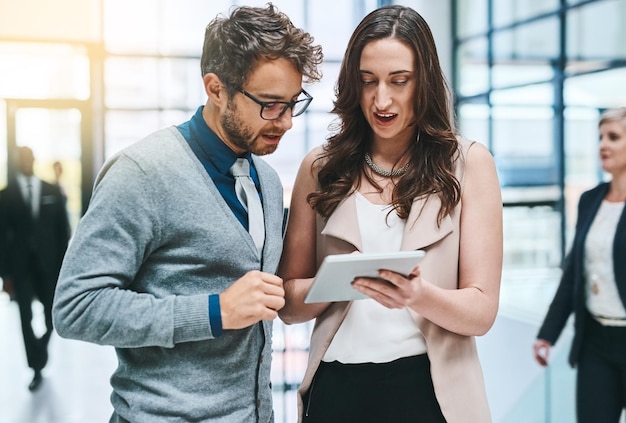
(254, 297)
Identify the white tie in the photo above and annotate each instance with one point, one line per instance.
(29, 188)
(249, 197)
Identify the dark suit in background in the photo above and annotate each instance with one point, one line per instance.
(32, 247)
(570, 296)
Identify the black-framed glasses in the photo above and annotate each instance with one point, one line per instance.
(272, 110)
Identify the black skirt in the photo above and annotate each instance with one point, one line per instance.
(399, 391)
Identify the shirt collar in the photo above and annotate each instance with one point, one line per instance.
(23, 179)
(214, 149)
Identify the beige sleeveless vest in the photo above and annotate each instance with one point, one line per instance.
(456, 372)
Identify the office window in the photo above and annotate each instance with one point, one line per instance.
(124, 127)
(525, 54)
(581, 152)
(336, 15)
(165, 27)
(507, 12)
(472, 57)
(523, 146)
(148, 83)
(533, 95)
(471, 17)
(595, 35)
(42, 71)
(473, 122)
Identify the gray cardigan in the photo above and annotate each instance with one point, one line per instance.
(156, 240)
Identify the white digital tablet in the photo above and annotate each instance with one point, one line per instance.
(333, 281)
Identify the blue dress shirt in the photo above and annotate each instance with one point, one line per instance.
(217, 158)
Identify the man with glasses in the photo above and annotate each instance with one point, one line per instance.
(271, 110)
(170, 264)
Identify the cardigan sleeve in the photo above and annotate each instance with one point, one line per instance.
(96, 300)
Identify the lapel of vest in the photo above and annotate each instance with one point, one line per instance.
(421, 229)
(343, 223)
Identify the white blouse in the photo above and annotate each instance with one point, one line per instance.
(602, 296)
(372, 333)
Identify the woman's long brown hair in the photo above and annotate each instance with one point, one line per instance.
(432, 156)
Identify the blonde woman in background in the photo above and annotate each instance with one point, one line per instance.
(593, 287)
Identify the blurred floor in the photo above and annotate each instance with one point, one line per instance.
(76, 380)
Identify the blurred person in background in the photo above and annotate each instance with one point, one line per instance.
(167, 265)
(593, 287)
(57, 168)
(34, 232)
(396, 176)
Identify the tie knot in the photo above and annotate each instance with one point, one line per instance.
(241, 167)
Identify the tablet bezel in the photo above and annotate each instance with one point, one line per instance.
(333, 281)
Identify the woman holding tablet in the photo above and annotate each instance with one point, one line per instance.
(396, 176)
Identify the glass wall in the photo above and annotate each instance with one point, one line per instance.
(531, 78)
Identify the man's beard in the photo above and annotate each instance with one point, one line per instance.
(239, 135)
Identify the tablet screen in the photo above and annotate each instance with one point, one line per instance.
(333, 281)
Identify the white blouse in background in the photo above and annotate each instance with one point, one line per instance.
(372, 333)
(602, 296)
